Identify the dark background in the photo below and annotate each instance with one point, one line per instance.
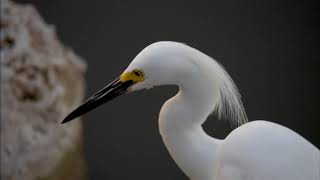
(270, 49)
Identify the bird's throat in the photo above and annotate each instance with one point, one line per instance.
(191, 148)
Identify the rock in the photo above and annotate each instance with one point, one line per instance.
(41, 81)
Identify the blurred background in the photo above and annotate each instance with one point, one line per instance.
(270, 49)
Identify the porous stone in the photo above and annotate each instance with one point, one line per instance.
(41, 81)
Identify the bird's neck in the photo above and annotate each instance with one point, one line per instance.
(180, 123)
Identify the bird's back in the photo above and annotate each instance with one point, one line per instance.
(262, 150)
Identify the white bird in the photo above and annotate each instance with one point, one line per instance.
(257, 150)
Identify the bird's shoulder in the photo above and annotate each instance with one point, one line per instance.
(264, 148)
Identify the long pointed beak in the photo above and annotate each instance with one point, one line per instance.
(112, 90)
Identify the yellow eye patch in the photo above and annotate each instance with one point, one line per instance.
(135, 76)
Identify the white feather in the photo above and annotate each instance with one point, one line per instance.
(258, 150)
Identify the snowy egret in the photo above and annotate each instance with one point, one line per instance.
(257, 150)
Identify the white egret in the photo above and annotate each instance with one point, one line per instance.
(257, 150)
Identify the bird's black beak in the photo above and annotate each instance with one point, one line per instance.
(112, 90)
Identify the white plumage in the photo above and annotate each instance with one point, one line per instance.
(257, 150)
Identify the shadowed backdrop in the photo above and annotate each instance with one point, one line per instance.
(270, 49)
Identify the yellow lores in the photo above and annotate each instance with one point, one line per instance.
(135, 76)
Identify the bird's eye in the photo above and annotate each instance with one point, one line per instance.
(138, 73)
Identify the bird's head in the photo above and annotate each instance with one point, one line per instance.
(160, 63)
(172, 63)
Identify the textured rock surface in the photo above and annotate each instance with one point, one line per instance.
(41, 81)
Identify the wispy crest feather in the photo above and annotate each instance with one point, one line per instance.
(229, 105)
